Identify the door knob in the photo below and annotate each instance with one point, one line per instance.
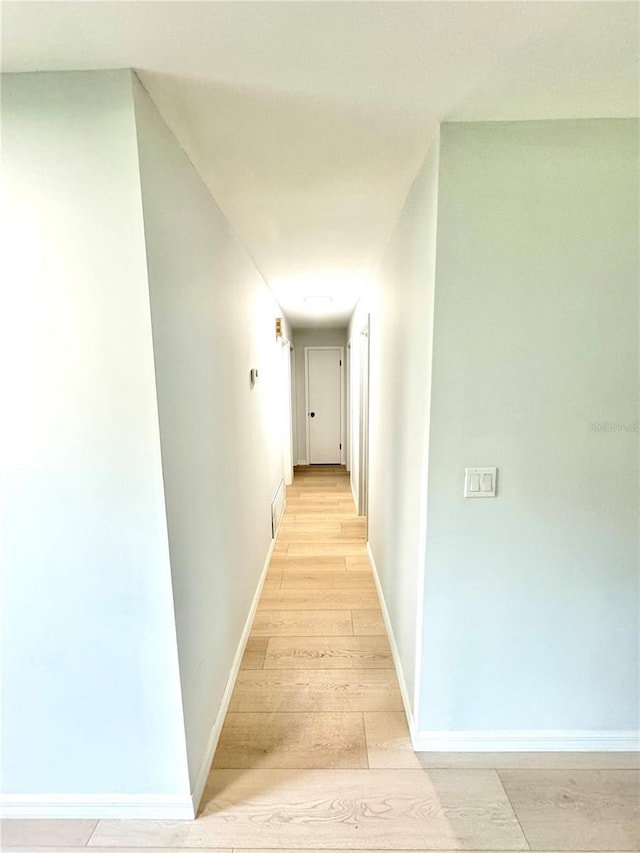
(312, 414)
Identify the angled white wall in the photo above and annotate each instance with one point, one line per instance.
(213, 321)
(92, 718)
(531, 599)
(139, 462)
(399, 300)
(529, 635)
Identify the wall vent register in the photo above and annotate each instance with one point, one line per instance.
(480, 482)
(277, 508)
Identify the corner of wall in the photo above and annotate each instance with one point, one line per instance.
(114, 521)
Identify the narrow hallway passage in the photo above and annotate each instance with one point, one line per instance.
(315, 752)
(318, 661)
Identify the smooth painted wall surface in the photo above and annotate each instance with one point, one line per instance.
(213, 321)
(91, 694)
(321, 337)
(531, 599)
(400, 303)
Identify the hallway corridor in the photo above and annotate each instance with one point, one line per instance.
(315, 752)
(318, 663)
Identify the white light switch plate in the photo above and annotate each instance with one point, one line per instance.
(480, 482)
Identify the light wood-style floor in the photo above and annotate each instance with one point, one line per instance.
(315, 752)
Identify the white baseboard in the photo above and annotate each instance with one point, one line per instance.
(500, 741)
(216, 729)
(355, 503)
(138, 806)
(302, 462)
(527, 741)
(394, 648)
(96, 806)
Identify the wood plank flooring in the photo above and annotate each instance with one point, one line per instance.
(315, 752)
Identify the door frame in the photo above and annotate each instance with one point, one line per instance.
(294, 408)
(287, 414)
(347, 418)
(363, 422)
(306, 397)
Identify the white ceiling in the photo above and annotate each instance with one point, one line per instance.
(308, 120)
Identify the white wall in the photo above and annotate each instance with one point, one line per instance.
(307, 337)
(213, 320)
(529, 638)
(531, 599)
(400, 302)
(91, 695)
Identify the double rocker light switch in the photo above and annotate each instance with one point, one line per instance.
(480, 482)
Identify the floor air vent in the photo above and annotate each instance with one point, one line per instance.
(277, 509)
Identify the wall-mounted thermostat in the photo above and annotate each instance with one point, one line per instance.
(480, 482)
(254, 375)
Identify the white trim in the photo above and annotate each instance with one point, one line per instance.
(343, 434)
(97, 806)
(527, 741)
(364, 384)
(353, 414)
(139, 806)
(306, 397)
(347, 407)
(294, 406)
(571, 740)
(302, 462)
(216, 729)
(394, 648)
(287, 414)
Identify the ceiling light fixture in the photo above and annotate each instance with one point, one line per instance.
(318, 300)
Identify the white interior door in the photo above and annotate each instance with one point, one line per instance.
(324, 405)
